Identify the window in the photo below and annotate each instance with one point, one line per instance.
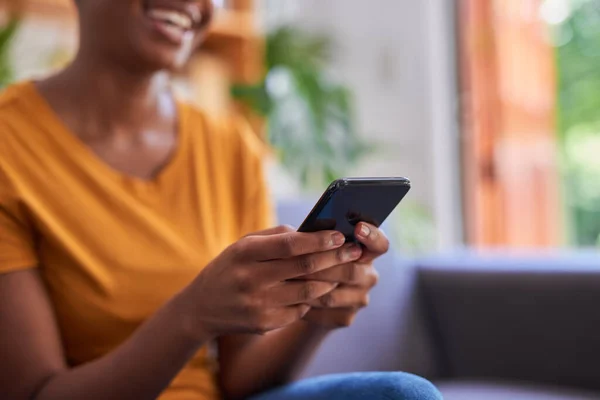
(510, 154)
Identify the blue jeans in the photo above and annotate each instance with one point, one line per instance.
(357, 386)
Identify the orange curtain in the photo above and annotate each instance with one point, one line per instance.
(508, 86)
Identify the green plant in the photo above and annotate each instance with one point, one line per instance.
(578, 54)
(413, 229)
(7, 33)
(310, 117)
(577, 41)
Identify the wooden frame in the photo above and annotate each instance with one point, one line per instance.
(509, 144)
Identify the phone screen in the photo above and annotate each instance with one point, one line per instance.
(344, 206)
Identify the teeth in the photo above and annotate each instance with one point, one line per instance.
(173, 17)
(173, 30)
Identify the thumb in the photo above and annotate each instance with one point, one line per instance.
(274, 231)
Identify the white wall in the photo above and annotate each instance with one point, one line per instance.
(397, 56)
(40, 46)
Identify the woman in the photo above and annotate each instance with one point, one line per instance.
(118, 210)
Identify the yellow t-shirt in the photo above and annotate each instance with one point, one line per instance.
(113, 248)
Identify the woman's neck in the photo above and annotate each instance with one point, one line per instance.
(108, 99)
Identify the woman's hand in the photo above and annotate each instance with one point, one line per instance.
(339, 307)
(247, 289)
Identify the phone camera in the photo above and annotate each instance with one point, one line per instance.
(353, 218)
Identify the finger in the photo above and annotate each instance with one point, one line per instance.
(344, 297)
(336, 318)
(294, 293)
(273, 231)
(291, 244)
(292, 268)
(279, 317)
(373, 239)
(349, 274)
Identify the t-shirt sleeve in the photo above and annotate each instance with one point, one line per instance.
(17, 248)
(257, 211)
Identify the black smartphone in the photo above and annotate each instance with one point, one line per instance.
(352, 200)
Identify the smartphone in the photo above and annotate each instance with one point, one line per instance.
(352, 200)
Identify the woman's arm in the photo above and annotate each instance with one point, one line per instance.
(249, 288)
(33, 363)
(250, 364)
(253, 364)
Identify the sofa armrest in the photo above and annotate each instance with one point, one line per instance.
(531, 318)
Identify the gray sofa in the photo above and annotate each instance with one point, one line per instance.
(480, 326)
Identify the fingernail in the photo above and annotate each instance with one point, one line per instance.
(365, 231)
(352, 253)
(338, 239)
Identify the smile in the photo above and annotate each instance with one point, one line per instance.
(170, 17)
(174, 19)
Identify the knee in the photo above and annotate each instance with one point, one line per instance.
(401, 386)
(412, 387)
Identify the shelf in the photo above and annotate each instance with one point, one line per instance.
(50, 9)
(227, 24)
(234, 24)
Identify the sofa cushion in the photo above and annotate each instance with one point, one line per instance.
(516, 317)
(474, 390)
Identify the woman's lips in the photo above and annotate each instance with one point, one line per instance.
(189, 13)
(174, 34)
(173, 17)
(172, 24)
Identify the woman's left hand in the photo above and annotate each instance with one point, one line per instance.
(339, 308)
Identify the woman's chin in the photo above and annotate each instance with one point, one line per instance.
(171, 64)
(162, 45)
(163, 59)
(156, 53)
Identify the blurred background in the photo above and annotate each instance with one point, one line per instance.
(491, 107)
(488, 106)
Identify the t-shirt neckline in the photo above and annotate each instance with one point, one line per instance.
(62, 133)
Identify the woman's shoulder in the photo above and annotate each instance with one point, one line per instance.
(12, 112)
(228, 130)
(12, 97)
(21, 115)
(12, 117)
(19, 109)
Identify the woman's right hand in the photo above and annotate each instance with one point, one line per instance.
(250, 287)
